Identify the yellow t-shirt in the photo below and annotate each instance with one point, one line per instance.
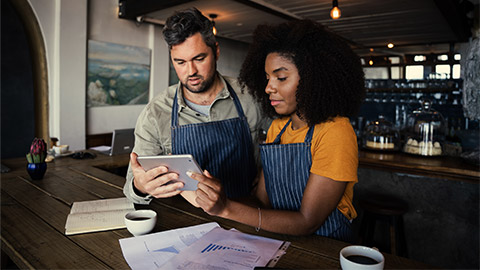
(334, 153)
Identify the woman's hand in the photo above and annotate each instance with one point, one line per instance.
(210, 195)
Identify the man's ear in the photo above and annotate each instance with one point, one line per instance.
(217, 51)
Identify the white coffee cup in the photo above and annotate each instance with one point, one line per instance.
(361, 258)
(61, 149)
(140, 221)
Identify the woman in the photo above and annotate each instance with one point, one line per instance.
(311, 82)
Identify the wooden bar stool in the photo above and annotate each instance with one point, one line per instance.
(388, 210)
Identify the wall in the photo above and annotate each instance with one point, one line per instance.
(104, 25)
(64, 28)
(67, 25)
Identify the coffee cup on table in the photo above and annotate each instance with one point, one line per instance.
(60, 149)
(140, 221)
(361, 258)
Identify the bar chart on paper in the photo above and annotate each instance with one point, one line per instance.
(226, 249)
(213, 247)
(236, 255)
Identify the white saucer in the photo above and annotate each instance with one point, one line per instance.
(68, 153)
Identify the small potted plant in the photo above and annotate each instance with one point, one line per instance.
(37, 166)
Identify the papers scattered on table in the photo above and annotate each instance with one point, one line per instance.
(205, 246)
(97, 215)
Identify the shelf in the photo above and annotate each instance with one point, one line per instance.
(412, 90)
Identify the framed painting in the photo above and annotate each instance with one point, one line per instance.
(117, 74)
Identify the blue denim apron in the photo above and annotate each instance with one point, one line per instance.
(224, 148)
(286, 168)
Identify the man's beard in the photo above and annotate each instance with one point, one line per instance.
(204, 86)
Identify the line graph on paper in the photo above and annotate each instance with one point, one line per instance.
(160, 255)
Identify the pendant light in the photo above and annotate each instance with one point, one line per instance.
(335, 13)
(213, 16)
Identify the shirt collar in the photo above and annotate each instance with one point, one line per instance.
(223, 94)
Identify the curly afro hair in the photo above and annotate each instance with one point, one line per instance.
(331, 76)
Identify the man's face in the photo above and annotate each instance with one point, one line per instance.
(195, 63)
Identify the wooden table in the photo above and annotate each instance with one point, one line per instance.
(34, 214)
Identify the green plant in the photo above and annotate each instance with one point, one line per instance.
(38, 151)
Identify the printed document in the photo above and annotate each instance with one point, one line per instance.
(151, 251)
(228, 249)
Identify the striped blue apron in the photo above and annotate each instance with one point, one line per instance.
(224, 148)
(286, 168)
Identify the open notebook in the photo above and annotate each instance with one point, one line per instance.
(122, 143)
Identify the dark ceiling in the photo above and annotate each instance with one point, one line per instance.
(414, 26)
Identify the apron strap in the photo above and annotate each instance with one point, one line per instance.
(308, 137)
(175, 111)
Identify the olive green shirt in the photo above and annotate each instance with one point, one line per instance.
(153, 134)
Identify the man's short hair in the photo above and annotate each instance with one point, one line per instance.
(186, 23)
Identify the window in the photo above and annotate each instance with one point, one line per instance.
(442, 57)
(394, 60)
(456, 71)
(443, 70)
(414, 72)
(419, 58)
(376, 73)
(396, 73)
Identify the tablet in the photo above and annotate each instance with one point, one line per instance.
(179, 164)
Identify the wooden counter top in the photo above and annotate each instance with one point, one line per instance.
(451, 168)
(34, 214)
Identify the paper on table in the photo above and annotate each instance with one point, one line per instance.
(101, 205)
(227, 249)
(151, 251)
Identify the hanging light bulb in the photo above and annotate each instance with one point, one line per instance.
(335, 13)
(213, 16)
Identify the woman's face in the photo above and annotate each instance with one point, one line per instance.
(282, 76)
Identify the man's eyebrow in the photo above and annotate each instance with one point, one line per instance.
(200, 55)
(196, 56)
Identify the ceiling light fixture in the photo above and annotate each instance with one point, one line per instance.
(335, 13)
(390, 45)
(213, 16)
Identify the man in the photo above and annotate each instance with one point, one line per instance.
(205, 114)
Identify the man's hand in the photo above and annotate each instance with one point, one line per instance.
(154, 182)
(210, 195)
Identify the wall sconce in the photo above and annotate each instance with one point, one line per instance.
(213, 16)
(335, 13)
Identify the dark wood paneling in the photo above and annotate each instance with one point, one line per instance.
(99, 139)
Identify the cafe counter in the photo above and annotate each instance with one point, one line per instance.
(442, 193)
(444, 167)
